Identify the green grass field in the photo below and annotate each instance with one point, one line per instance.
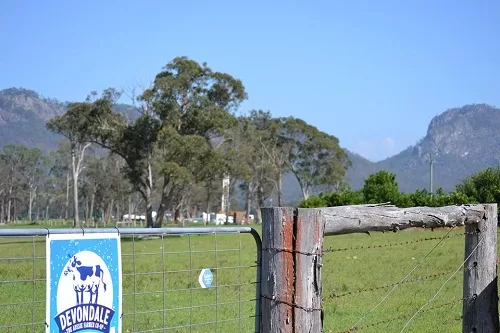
(164, 291)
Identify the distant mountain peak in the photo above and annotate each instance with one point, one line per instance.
(463, 131)
(462, 140)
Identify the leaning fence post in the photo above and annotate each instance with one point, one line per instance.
(277, 270)
(308, 265)
(480, 290)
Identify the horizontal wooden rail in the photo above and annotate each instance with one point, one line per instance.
(365, 218)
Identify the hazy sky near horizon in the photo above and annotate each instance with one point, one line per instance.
(372, 73)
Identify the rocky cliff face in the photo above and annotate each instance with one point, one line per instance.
(23, 114)
(17, 104)
(470, 130)
(462, 141)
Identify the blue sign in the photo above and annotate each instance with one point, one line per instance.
(84, 283)
(206, 277)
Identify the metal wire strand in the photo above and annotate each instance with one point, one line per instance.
(442, 286)
(402, 280)
(381, 246)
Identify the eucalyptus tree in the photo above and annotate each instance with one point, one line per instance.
(34, 170)
(188, 107)
(73, 126)
(314, 157)
(60, 173)
(195, 107)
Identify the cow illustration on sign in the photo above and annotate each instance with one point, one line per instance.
(92, 310)
(85, 279)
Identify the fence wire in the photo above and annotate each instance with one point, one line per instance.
(431, 275)
(160, 274)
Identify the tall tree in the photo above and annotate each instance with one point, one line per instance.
(34, 168)
(276, 150)
(61, 172)
(194, 105)
(134, 141)
(13, 160)
(74, 127)
(251, 161)
(314, 157)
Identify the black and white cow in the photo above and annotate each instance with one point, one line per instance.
(85, 279)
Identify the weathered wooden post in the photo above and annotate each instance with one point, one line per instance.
(292, 245)
(309, 237)
(480, 289)
(277, 270)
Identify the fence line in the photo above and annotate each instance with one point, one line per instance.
(402, 280)
(381, 246)
(294, 237)
(403, 316)
(159, 272)
(359, 291)
(442, 286)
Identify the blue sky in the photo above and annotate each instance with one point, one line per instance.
(372, 73)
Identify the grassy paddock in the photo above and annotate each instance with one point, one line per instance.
(164, 291)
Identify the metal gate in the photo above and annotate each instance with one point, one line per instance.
(160, 279)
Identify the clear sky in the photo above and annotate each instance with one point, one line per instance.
(372, 73)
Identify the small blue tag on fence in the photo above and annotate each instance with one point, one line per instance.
(206, 277)
(84, 290)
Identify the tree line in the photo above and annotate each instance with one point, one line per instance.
(382, 187)
(187, 137)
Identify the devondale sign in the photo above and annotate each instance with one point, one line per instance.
(84, 287)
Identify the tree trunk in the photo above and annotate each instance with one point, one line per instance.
(279, 182)
(37, 213)
(130, 208)
(259, 203)
(85, 208)
(109, 211)
(76, 217)
(177, 214)
(47, 211)
(2, 211)
(30, 204)
(163, 203)
(14, 217)
(91, 211)
(248, 203)
(305, 193)
(66, 203)
(117, 218)
(9, 204)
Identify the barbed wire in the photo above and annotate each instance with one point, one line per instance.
(405, 277)
(403, 316)
(358, 291)
(379, 246)
(442, 286)
(290, 304)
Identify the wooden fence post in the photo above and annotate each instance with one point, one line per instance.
(292, 246)
(277, 275)
(480, 289)
(308, 266)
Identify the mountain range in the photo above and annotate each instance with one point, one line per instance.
(461, 141)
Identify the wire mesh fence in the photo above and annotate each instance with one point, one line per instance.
(407, 281)
(161, 288)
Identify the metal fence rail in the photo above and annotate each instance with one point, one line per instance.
(160, 269)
